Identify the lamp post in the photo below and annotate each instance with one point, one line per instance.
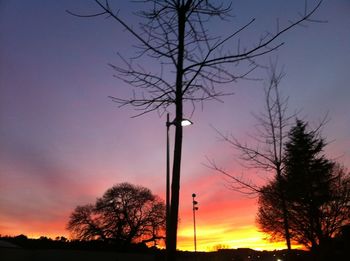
(194, 208)
(184, 122)
(167, 200)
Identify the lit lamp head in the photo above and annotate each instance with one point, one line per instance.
(186, 122)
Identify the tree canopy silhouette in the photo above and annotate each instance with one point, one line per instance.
(125, 213)
(316, 192)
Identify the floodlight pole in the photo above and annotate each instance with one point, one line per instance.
(194, 208)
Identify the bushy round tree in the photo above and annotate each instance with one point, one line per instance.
(125, 213)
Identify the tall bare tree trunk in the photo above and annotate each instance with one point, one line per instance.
(175, 186)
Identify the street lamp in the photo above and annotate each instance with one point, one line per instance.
(194, 208)
(184, 122)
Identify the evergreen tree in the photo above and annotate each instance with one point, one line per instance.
(308, 176)
(316, 190)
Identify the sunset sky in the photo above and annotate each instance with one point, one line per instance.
(63, 143)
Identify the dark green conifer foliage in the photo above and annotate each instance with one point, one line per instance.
(316, 189)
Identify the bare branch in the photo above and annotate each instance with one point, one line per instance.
(263, 44)
(238, 183)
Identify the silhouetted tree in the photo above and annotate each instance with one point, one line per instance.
(316, 191)
(61, 239)
(84, 223)
(126, 214)
(192, 63)
(267, 154)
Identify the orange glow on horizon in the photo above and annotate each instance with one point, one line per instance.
(223, 219)
(209, 238)
(34, 230)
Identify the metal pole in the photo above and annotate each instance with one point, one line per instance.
(194, 208)
(167, 209)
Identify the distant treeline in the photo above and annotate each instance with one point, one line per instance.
(23, 241)
(337, 249)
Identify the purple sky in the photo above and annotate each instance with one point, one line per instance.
(63, 142)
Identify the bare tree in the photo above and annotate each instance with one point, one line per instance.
(125, 214)
(175, 35)
(268, 152)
